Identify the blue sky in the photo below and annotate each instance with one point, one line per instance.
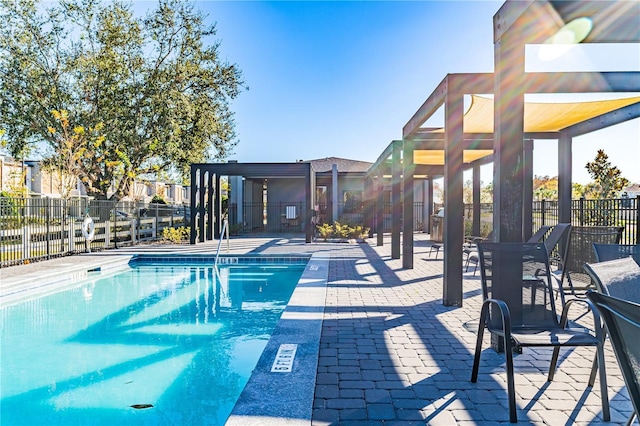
(342, 78)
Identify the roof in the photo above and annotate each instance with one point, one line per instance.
(344, 165)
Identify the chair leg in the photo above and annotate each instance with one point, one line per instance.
(476, 357)
(606, 415)
(594, 370)
(511, 387)
(633, 416)
(554, 363)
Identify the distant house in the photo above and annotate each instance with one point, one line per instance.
(41, 183)
(632, 190)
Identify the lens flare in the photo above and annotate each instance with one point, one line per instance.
(571, 34)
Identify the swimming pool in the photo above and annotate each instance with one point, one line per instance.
(164, 342)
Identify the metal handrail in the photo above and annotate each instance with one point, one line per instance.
(225, 227)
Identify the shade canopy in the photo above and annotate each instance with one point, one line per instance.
(539, 118)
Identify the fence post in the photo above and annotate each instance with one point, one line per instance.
(107, 234)
(26, 242)
(48, 220)
(154, 231)
(133, 231)
(637, 219)
(115, 224)
(72, 237)
(543, 207)
(581, 210)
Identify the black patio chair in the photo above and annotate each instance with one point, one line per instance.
(622, 319)
(540, 234)
(580, 251)
(472, 251)
(606, 252)
(519, 307)
(618, 278)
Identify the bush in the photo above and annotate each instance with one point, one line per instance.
(175, 235)
(157, 199)
(339, 230)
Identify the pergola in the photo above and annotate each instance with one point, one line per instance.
(471, 140)
(206, 200)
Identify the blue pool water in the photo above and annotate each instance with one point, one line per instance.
(155, 344)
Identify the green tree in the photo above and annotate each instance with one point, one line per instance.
(607, 183)
(156, 85)
(607, 179)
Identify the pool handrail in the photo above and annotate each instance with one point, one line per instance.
(225, 227)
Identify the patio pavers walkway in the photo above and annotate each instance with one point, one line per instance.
(391, 353)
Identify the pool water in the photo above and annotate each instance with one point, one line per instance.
(153, 344)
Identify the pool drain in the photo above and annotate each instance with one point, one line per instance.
(141, 406)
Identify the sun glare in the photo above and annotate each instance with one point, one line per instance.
(570, 34)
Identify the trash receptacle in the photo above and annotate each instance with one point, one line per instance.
(437, 226)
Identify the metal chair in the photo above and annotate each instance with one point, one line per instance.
(581, 252)
(616, 251)
(540, 234)
(520, 308)
(622, 319)
(471, 252)
(618, 278)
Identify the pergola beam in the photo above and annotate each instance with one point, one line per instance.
(581, 82)
(459, 83)
(605, 120)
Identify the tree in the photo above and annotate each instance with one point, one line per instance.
(545, 187)
(71, 146)
(608, 180)
(155, 87)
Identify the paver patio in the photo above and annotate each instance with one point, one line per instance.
(391, 353)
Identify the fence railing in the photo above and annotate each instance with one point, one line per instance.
(623, 212)
(43, 228)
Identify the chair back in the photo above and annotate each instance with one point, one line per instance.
(540, 234)
(606, 252)
(581, 247)
(622, 319)
(518, 274)
(557, 242)
(618, 278)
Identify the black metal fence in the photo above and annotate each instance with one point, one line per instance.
(257, 217)
(42, 228)
(34, 229)
(273, 218)
(623, 212)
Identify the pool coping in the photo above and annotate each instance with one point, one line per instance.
(43, 280)
(279, 398)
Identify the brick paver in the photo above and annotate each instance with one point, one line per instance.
(394, 353)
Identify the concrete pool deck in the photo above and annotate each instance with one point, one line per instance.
(391, 353)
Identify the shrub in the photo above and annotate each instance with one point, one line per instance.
(157, 199)
(339, 230)
(175, 235)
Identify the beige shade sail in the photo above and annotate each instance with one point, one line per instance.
(539, 117)
(435, 157)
